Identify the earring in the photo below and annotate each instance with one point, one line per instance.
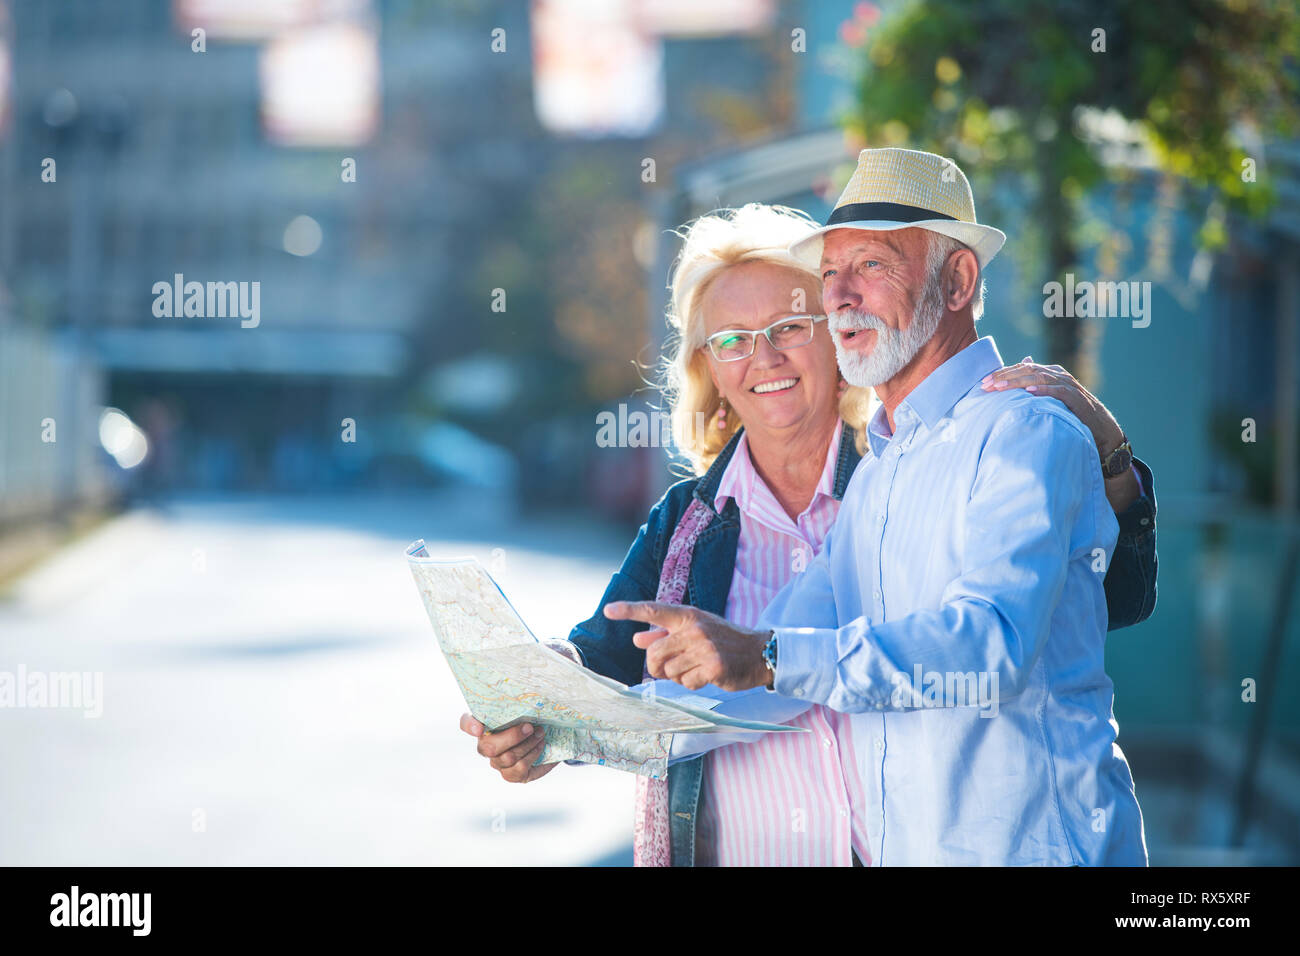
(721, 420)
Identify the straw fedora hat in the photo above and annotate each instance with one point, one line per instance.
(895, 188)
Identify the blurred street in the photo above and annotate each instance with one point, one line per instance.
(273, 693)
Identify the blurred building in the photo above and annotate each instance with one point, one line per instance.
(211, 165)
(499, 148)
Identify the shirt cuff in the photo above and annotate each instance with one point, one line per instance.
(805, 663)
(1139, 518)
(1146, 480)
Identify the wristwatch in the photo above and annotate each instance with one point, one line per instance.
(1119, 460)
(769, 658)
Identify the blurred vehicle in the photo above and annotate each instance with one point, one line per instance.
(407, 452)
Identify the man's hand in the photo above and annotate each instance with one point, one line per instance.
(512, 751)
(694, 647)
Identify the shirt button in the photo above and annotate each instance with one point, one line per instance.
(877, 595)
(1145, 521)
(880, 746)
(826, 742)
(798, 692)
(843, 812)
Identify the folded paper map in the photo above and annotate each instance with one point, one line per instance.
(508, 677)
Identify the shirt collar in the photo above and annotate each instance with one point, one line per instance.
(734, 482)
(938, 393)
(935, 396)
(878, 433)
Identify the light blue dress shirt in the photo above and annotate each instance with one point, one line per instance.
(957, 610)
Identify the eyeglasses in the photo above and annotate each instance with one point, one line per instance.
(731, 345)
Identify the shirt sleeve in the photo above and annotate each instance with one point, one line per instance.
(605, 646)
(807, 597)
(1036, 505)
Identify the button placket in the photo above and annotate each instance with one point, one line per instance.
(837, 790)
(896, 449)
(875, 822)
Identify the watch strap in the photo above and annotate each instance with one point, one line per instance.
(769, 658)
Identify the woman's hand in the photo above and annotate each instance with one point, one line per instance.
(1055, 382)
(512, 751)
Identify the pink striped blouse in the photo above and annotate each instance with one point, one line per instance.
(790, 799)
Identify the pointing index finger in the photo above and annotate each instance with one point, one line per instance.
(662, 615)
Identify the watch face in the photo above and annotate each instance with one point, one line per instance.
(1120, 461)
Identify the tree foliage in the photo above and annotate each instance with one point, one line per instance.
(1024, 85)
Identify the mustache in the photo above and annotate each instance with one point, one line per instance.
(855, 320)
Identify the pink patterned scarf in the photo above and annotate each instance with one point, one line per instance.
(651, 845)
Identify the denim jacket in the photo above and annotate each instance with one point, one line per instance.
(606, 646)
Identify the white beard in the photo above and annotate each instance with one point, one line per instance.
(893, 348)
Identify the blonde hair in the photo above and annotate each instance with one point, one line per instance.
(713, 243)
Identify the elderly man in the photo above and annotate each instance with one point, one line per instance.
(956, 608)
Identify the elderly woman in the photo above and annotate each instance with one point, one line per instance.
(772, 433)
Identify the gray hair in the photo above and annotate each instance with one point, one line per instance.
(941, 247)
